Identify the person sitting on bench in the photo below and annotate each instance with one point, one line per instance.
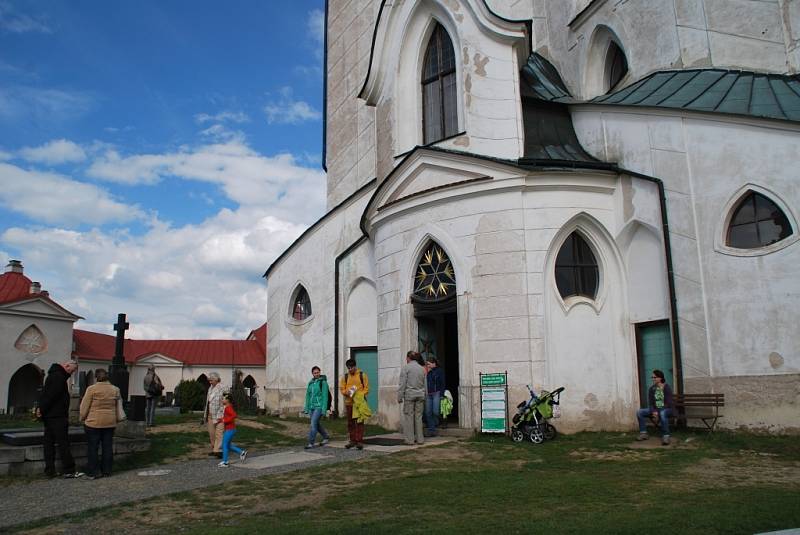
(660, 404)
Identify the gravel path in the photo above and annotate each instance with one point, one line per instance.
(29, 501)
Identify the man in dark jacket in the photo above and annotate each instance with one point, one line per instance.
(436, 386)
(54, 412)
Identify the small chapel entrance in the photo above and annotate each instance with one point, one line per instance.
(654, 351)
(435, 301)
(24, 388)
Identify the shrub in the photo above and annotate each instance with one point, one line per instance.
(190, 395)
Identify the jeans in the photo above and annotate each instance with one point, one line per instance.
(663, 416)
(103, 437)
(228, 445)
(150, 410)
(432, 402)
(56, 431)
(316, 426)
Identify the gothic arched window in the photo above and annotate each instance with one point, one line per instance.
(301, 304)
(435, 278)
(757, 222)
(439, 99)
(576, 268)
(616, 65)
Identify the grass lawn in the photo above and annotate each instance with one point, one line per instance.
(589, 482)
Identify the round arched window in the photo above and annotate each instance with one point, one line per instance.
(435, 278)
(301, 304)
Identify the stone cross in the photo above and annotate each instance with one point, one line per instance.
(118, 372)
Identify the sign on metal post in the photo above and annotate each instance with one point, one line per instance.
(494, 402)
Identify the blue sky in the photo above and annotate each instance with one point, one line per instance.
(155, 157)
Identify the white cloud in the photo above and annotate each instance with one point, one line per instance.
(55, 152)
(24, 102)
(316, 25)
(286, 110)
(275, 183)
(221, 117)
(199, 280)
(221, 133)
(53, 198)
(14, 22)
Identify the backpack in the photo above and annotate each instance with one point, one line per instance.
(154, 389)
(360, 378)
(330, 396)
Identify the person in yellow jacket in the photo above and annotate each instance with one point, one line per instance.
(354, 381)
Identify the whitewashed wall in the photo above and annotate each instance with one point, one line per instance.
(57, 332)
(735, 311)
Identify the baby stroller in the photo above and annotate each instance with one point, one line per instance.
(531, 419)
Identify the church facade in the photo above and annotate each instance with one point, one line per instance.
(573, 192)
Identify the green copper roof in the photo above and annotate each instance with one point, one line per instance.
(772, 96)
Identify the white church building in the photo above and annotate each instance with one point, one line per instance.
(572, 191)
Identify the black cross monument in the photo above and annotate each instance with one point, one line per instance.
(118, 372)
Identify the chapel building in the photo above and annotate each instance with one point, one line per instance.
(572, 191)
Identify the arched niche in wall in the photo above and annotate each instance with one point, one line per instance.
(32, 341)
(606, 64)
(362, 314)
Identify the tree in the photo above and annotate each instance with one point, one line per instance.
(190, 395)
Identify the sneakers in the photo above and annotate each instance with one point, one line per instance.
(359, 446)
(642, 436)
(92, 478)
(324, 442)
(74, 475)
(308, 446)
(223, 464)
(349, 445)
(665, 440)
(243, 456)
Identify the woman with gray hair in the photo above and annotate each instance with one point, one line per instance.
(213, 414)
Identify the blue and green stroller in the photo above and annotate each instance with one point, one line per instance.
(531, 421)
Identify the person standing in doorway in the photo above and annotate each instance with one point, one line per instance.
(436, 386)
(152, 392)
(99, 411)
(660, 405)
(353, 383)
(213, 414)
(54, 412)
(411, 393)
(317, 403)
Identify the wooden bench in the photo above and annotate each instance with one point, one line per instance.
(703, 407)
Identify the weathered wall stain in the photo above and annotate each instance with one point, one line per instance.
(480, 64)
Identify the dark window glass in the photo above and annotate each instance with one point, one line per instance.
(439, 99)
(617, 65)
(435, 278)
(301, 308)
(757, 222)
(576, 268)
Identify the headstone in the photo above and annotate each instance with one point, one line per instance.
(118, 372)
(137, 408)
(170, 399)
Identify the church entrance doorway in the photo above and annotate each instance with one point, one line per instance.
(654, 350)
(24, 388)
(438, 337)
(435, 305)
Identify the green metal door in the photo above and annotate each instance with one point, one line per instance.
(655, 352)
(367, 362)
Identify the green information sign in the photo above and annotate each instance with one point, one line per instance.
(492, 379)
(493, 403)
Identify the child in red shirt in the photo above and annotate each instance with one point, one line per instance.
(229, 419)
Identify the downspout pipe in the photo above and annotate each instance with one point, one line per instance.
(336, 322)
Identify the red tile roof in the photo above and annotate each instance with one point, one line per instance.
(14, 286)
(250, 352)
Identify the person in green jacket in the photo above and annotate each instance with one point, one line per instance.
(316, 405)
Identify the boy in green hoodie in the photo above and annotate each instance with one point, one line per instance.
(316, 405)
